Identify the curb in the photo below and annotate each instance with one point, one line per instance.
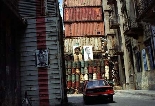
(136, 93)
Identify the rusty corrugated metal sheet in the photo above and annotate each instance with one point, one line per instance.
(96, 42)
(80, 29)
(44, 85)
(29, 73)
(83, 14)
(73, 3)
(27, 8)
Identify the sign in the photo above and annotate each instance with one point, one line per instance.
(42, 58)
(88, 53)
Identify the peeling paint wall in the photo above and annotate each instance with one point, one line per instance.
(145, 80)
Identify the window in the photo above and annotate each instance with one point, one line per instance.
(96, 83)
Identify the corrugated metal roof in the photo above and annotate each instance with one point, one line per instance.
(83, 14)
(73, 3)
(82, 29)
(34, 8)
(43, 84)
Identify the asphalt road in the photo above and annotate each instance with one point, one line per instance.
(119, 100)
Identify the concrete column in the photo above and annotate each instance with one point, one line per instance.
(119, 5)
(121, 73)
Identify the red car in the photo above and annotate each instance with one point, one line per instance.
(97, 89)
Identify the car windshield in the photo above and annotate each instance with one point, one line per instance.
(96, 83)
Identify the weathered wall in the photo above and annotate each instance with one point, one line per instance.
(130, 77)
(42, 62)
(113, 34)
(145, 80)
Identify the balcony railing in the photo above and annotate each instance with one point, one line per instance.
(113, 23)
(131, 28)
(116, 50)
(111, 34)
(130, 23)
(110, 2)
(144, 7)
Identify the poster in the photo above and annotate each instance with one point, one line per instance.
(88, 53)
(77, 53)
(74, 49)
(144, 60)
(42, 58)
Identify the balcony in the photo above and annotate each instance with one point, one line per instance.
(113, 23)
(146, 11)
(108, 9)
(132, 29)
(147, 34)
(111, 34)
(116, 50)
(110, 2)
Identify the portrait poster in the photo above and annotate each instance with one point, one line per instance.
(42, 58)
(74, 48)
(88, 53)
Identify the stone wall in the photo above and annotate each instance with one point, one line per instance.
(145, 80)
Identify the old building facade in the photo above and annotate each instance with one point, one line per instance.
(130, 30)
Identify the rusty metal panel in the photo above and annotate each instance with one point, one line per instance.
(95, 42)
(44, 85)
(33, 78)
(74, 3)
(83, 14)
(81, 29)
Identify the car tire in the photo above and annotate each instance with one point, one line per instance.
(111, 98)
(85, 99)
